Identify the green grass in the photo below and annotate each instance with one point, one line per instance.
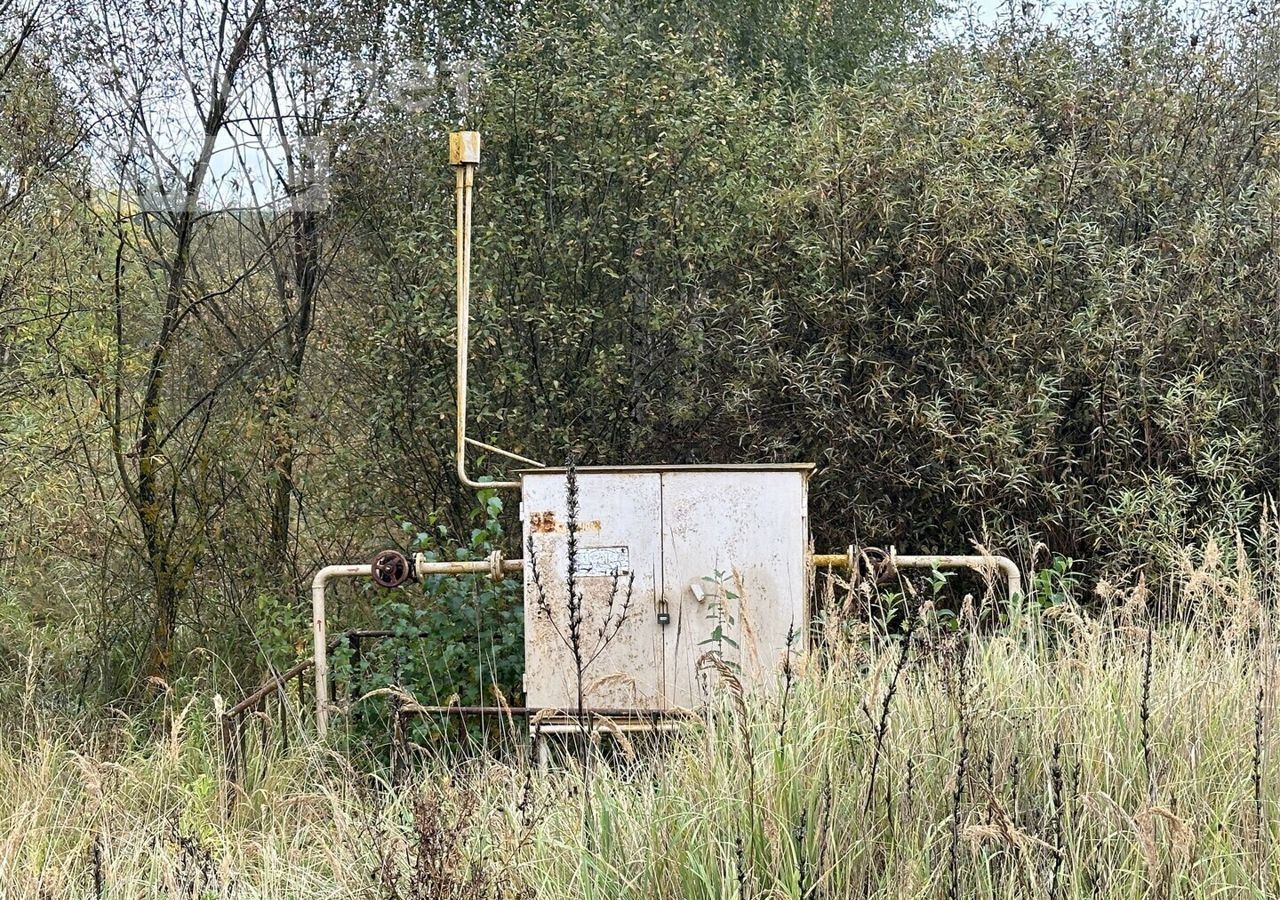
(1034, 734)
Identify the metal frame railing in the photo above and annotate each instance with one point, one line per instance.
(276, 688)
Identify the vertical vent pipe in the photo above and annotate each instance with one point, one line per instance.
(464, 156)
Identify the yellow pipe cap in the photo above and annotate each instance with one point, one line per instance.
(464, 147)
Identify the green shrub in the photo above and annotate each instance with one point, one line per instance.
(1020, 291)
(454, 639)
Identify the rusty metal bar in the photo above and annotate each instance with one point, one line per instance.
(267, 687)
(296, 671)
(521, 712)
(282, 707)
(264, 722)
(229, 764)
(232, 721)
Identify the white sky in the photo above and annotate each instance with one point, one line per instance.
(243, 171)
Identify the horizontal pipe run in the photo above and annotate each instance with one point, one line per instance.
(492, 565)
(978, 563)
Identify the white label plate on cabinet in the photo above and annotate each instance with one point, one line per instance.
(603, 561)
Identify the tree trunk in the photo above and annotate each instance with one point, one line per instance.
(155, 493)
(305, 236)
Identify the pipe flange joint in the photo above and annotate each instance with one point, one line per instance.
(495, 565)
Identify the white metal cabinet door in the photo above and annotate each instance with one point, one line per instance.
(746, 530)
(618, 528)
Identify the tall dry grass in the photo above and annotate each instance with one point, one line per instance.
(1126, 753)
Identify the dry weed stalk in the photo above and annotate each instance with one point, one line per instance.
(886, 705)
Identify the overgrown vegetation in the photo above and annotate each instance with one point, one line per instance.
(1015, 286)
(1059, 755)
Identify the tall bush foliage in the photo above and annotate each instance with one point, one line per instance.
(1014, 287)
(1023, 290)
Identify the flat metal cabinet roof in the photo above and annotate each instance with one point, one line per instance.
(714, 549)
(683, 467)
